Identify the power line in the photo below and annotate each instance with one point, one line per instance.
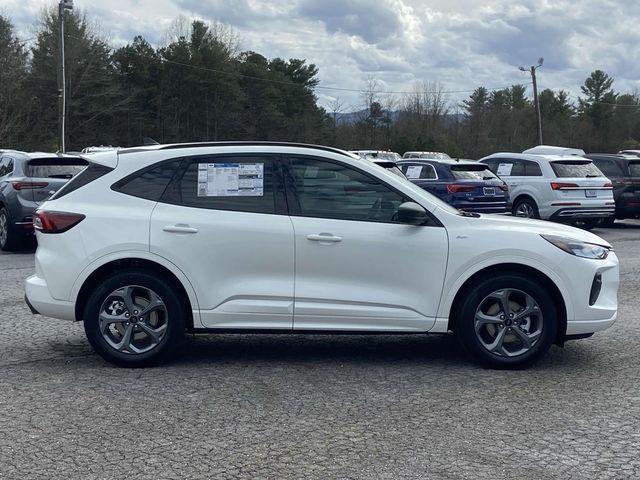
(316, 87)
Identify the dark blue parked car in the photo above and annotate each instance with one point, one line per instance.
(466, 185)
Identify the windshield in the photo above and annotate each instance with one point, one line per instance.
(472, 172)
(572, 169)
(55, 167)
(634, 169)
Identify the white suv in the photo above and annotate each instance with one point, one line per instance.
(555, 183)
(150, 242)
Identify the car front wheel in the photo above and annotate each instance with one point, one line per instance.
(134, 319)
(506, 321)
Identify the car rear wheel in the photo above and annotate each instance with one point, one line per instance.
(134, 319)
(9, 239)
(508, 321)
(525, 208)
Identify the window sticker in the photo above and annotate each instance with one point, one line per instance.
(504, 169)
(414, 171)
(230, 179)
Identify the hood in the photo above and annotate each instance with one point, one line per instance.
(541, 227)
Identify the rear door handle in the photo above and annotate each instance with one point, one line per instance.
(324, 237)
(179, 228)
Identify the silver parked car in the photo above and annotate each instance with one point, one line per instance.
(27, 180)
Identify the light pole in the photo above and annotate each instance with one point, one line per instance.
(536, 102)
(62, 6)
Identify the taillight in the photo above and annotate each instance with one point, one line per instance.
(504, 187)
(453, 188)
(28, 185)
(55, 222)
(608, 185)
(562, 186)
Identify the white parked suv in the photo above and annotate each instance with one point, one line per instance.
(150, 242)
(555, 183)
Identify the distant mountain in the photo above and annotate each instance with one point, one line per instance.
(349, 118)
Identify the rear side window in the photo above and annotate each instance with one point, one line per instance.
(577, 169)
(471, 172)
(54, 167)
(531, 169)
(88, 175)
(237, 183)
(634, 169)
(149, 183)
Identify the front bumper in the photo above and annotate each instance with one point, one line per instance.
(39, 299)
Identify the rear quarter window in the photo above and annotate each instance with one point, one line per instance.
(634, 169)
(88, 175)
(577, 169)
(149, 183)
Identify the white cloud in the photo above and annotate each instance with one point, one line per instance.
(459, 43)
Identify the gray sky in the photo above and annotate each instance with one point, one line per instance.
(459, 43)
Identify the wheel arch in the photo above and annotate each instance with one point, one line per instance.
(513, 268)
(525, 195)
(108, 267)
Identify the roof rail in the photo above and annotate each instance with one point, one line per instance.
(234, 144)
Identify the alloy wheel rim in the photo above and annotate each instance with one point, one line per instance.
(3, 229)
(133, 319)
(508, 322)
(524, 210)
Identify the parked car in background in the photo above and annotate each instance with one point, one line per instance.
(426, 155)
(630, 152)
(101, 148)
(377, 154)
(27, 180)
(555, 183)
(148, 243)
(624, 173)
(466, 185)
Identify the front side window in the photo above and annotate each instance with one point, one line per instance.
(238, 183)
(331, 190)
(510, 168)
(420, 171)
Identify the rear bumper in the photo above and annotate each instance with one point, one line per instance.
(482, 207)
(40, 301)
(582, 213)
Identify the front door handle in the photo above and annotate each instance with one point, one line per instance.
(179, 228)
(324, 237)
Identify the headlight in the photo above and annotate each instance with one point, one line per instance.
(578, 248)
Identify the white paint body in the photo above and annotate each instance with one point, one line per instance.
(551, 202)
(261, 271)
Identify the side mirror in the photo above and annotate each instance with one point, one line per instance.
(412, 214)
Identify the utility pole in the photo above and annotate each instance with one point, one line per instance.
(62, 6)
(536, 102)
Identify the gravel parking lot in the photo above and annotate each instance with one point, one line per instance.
(300, 406)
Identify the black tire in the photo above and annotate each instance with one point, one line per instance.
(11, 240)
(175, 319)
(608, 222)
(587, 224)
(526, 203)
(464, 317)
